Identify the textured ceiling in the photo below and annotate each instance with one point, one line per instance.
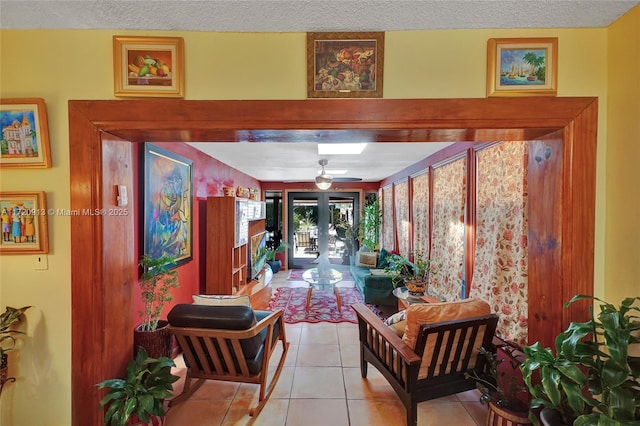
(264, 161)
(308, 15)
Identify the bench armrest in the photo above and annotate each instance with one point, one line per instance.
(397, 361)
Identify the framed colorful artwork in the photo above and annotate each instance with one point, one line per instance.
(522, 67)
(25, 133)
(24, 222)
(148, 66)
(168, 204)
(345, 65)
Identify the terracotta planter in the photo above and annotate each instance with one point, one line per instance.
(500, 416)
(157, 343)
(416, 287)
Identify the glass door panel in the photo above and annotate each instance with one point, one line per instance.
(317, 223)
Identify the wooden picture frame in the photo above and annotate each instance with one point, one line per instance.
(168, 204)
(522, 67)
(25, 133)
(345, 65)
(24, 222)
(148, 66)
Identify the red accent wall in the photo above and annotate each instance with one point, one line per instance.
(209, 177)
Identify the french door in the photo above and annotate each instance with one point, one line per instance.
(314, 226)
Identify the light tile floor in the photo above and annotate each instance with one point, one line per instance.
(321, 385)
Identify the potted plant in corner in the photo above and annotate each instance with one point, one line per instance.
(274, 263)
(370, 224)
(592, 378)
(137, 399)
(156, 283)
(347, 234)
(501, 389)
(9, 318)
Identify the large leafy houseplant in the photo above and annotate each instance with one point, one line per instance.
(369, 227)
(156, 283)
(592, 379)
(141, 393)
(413, 274)
(346, 233)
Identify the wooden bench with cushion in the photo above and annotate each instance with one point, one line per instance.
(440, 343)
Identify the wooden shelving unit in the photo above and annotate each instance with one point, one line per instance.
(229, 221)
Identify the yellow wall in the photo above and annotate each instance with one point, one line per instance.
(63, 65)
(622, 248)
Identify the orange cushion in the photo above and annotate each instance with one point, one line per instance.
(429, 313)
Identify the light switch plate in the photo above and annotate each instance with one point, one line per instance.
(41, 261)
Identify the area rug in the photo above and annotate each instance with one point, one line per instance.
(324, 308)
(296, 275)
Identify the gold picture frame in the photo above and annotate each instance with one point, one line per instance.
(24, 222)
(148, 66)
(25, 137)
(345, 65)
(522, 67)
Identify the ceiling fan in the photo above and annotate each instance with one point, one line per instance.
(324, 180)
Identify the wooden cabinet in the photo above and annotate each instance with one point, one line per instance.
(229, 221)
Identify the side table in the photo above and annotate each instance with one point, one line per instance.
(405, 299)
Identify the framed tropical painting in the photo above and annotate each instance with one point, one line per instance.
(168, 204)
(522, 67)
(24, 222)
(25, 133)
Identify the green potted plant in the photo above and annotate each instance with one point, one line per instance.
(501, 388)
(346, 233)
(9, 319)
(412, 274)
(592, 378)
(156, 283)
(369, 229)
(137, 399)
(274, 263)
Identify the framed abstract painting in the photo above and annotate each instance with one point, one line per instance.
(522, 67)
(168, 204)
(345, 65)
(25, 133)
(24, 222)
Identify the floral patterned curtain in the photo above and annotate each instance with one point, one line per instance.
(420, 210)
(388, 240)
(401, 203)
(447, 239)
(500, 273)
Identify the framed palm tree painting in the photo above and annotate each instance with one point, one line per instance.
(522, 67)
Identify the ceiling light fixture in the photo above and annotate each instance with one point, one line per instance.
(341, 148)
(323, 180)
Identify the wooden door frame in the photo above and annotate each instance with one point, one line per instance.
(97, 267)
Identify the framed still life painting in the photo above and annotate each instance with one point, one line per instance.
(148, 66)
(24, 222)
(25, 133)
(345, 65)
(168, 204)
(522, 67)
